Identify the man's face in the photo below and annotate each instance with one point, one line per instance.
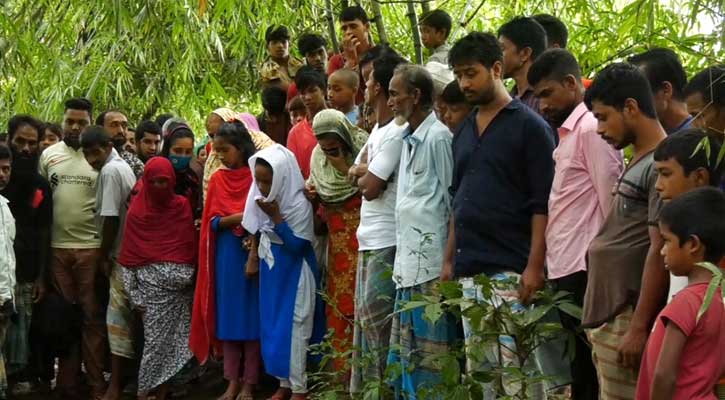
(557, 99)
(278, 49)
(371, 89)
(74, 123)
(612, 125)
(477, 82)
(25, 141)
(432, 37)
(455, 114)
(130, 145)
(96, 155)
(400, 101)
(314, 99)
(317, 59)
(706, 116)
(513, 60)
(672, 181)
(356, 29)
(148, 146)
(5, 169)
(116, 124)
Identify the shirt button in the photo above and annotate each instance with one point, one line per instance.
(458, 251)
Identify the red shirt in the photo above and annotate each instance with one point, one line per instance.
(301, 141)
(703, 359)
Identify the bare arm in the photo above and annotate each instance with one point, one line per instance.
(533, 277)
(371, 186)
(230, 221)
(665, 374)
(447, 270)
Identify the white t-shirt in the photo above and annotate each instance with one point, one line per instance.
(377, 217)
(115, 183)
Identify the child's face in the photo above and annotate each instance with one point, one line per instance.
(672, 181)
(432, 37)
(340, 94)
(679, 257)
(455, 114)
(297, 116)
(263, 175)
(229, 155)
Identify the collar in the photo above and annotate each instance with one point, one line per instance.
(112, 156)
(3, 200)
(421, 132)
(514, 104)
(444, 47)
(574, 117)
(515, 92)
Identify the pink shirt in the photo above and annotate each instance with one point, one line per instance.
(301, 141)
(585, 173)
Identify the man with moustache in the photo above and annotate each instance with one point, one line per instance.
(116, 125)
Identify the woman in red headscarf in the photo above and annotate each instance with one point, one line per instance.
(158, 253)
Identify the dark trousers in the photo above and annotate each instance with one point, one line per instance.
(584, 376)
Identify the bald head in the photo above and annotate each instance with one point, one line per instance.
(346, 77)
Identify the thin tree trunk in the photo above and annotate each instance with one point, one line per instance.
(378, 17)
(425, 5)
(416, 33)
(331, 25)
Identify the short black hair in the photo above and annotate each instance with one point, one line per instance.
(237, 135)
(556, 31)
(95, 135)
(384, 68)
(476, 47)
(308, 77)
(417, 77)
(274, 99)
(662, 65)
(276, 32)
(296, 104)
(698, 213)
(554, 64)
(437, 19)
(710, 83)
(525, 32)
(5, 153)
(681, 147)
(352, 13)
(618, 82)
(53, 127)
(18, 121)
(161, 120)
(310, 42)
(177, 130)
(146, 126)
(79, 103)
(452, 94)
(101, 118)
(373, 53)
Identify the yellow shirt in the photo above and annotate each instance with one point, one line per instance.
(73, 183)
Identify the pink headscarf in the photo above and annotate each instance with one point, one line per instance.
(249, 120)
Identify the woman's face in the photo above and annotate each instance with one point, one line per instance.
(202, 156)
(331, 147)
(182, 147)
(263, 175)
(228, 154)
(213, 123)
(160, 182)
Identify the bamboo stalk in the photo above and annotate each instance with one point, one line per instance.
(425, 6)
(416, 33)
(331, 26)
(378, 18)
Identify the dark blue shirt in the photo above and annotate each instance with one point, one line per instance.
(500, 180)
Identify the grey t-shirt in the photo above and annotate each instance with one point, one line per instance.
(115, 183)
(618, 252)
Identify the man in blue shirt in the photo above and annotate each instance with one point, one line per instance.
(503, 170)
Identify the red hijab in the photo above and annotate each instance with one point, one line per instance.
(159, 224)
(227, 195)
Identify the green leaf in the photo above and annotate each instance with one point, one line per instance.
(450, 289)
(571, 309)
(533, 315)
(433, 312)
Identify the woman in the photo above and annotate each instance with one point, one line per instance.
(277, 208)
(178, 147)
(338, 144)
(158, 253)
(214, 122)
(226, 304)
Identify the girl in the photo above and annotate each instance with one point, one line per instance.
(338, 144)
(226, 304)
(178, 147)
(276, 207)
(158, 253)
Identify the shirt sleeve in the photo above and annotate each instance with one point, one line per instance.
(654, 201)
(387, 159)
(682, 311)
(443, 163)
(112, 196)
(604, 164)
(538, 149)
(43, 166)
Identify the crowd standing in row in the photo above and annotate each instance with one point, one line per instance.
(365, 182)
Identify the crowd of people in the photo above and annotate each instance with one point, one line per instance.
(367, 180)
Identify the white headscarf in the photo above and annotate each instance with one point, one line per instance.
(287, 190)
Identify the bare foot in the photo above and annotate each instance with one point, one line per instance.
(281, 394)
(299, 396)
(247, 392)
(232, 391)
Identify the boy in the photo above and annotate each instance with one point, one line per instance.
(297, 111)
(435, 27)
(684, 355)
(342, 87)
(454, 104)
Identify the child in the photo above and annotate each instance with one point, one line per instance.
(277, 208)
(680, 169)
(226, 303)
(454, 106)
(435, 26)
(342, 86)
(685, 352)
(297, 110)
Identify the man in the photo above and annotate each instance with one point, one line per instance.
(30, 202)
(557, 35)
(115, 181)
(301, 141)
(356, 42)
(376, 171)
(586, 169)
(522, 40)
(421, 211)
(435, 27)
(705, 98)
(503, 172)
(116, 125)
(667, 79)
(627, 282)
(274, 120)
(313, 48)
(130, 145)
(148, 140)
(279, 68)
(75, 243)
(7, 261)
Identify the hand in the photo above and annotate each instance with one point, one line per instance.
(39, 290)
(447, 271)
(339, 161)
(532, 280)
(271, 208)
(349, 50)
(631, 348)
(247, 244)
(252, 268)
(310, 192)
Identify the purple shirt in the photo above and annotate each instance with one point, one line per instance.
(586, 170)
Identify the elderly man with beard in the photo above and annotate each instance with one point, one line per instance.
(30, 202)
(116, 125)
